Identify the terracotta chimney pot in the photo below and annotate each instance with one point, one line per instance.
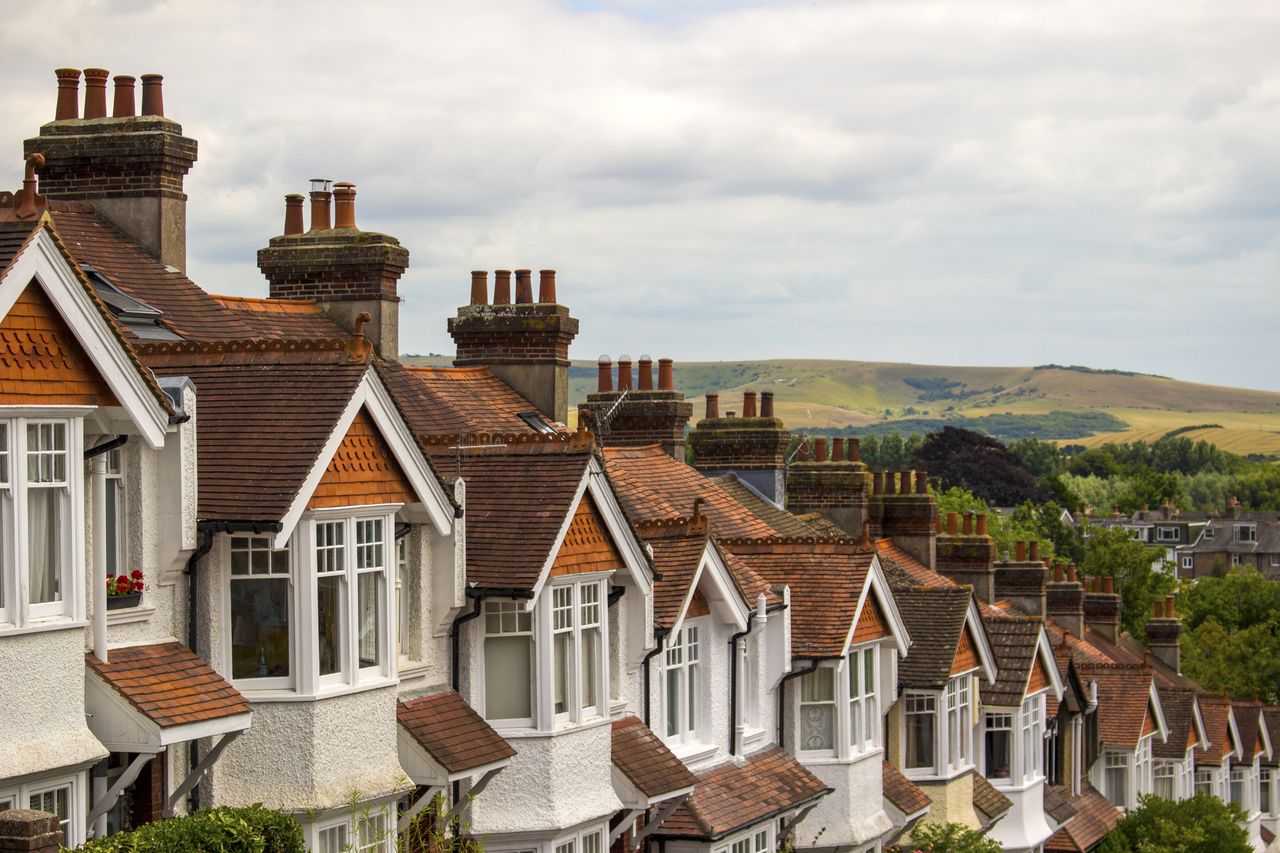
(968, 524)
(766, 404)
(68, 94)
(502, 287)
(1057, 573)
(1071, 572)
(982, 524)
(877, 483)
(95, 92)
(344, 205)
(123, 106)
(645, 375)
(152, 95)
(624, 373)
(802, 452)
(1034, 555)
(604, 374)
(1157, 610)
(837, 450)
(820, 450)
(666, 379)
(855, 450)
(479, 287)
(749, 404)
(713, 406)
(922, 482)
(293, 214)
(1169, 611)
(1109, 585)
(1020, 551)
(953, 523)
(547, 286)
(890, 483)
(907, 479)
(524, 287)
(320, 199)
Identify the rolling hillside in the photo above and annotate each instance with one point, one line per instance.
(1005, 401)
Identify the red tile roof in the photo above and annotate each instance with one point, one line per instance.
(675, 559)
(1094, 818)
(451, 732)
(282, 318)
(13, 237)
(169, 683)
(453, 400)
(1123, 698)
(1216, 712)
(989, 802)
(901, 791)
(1248, 722)
(730, 797)
(645, 760)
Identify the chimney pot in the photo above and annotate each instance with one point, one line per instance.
(802, 452)
(344, 205)
(953, 523)
(837, 449)
(1157, 610)
(502, 287)
(68, 94)
(937, 525)
(922, 482)
(1057, 572)
(1020, 551)
(293, 214)
(877, 483)
(666, 380)
(1109, 585)
(749, 404)
(645, 374)
(766, 404)
(1071, 572)
(982, 524)
(604, 374)
(320, 198)
(152, 95)
(95, 92)
(890, 483)
(855, 450)
(624, 373)
(1035, 551)
(906, 483)
(123, 106)
(479, 287)
(968, 523)
(547, 286)
(524, 287)
(713, 406)
(820, 450)
(1169, 611)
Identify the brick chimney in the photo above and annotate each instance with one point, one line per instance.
(29, 831)
(1164, 633)
(131, 167)
(1064, 599)
(1102, 607)
(347, 271)
(966, 554)
(753, 446)
(839, 488)
(903, 510)
(1022, 580)
(525, 343)
(645, 415)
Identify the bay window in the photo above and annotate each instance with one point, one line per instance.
(959, 713)
(1032, 722)
(1115, 777)
(1163, 781)
(577, 621)
(508, 661)
(683, 684)
(864, 708)
(260, 611)
(818, 711)
(1204, 782)
(1142, 767)
(998, 743)
(759, 841)
(921, 731)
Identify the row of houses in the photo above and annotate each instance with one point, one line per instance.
(249, 556)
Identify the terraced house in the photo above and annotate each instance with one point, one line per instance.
(246, 555)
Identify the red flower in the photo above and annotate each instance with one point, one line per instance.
(136, 574)
(136, 586)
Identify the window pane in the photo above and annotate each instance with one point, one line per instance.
(334, 839)
(330, 607)
(369, 544)
(590, 662)
(691, 695)
(113, 528)
(260, 628)
(370, 611)
(921, 720)
(507, 678)
(674, 702)
(560, 671)
(817, 710)
(591, 843)
(55, 801)
(44, 525)
(999, 749)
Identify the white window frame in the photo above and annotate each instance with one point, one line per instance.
(812, 701)
(1266, 802)
(16, 608)
(576, 710)
(577, 842)
(999, 721)
(350, 829)
(1239, 775)
(512, 619)
(1203, 782)
(260, 542)
(1031, 722)
(862, 682)
(1209, 532)
(1167, 534)
(758, 839)
(74, 829)
(1122, 761)
(1188, 561)
(1246, 533)
(118, 486)
(683, 657)
(958, 697)
(402, 595)
(1165, 771)
(748, 685)
(1143, 767)
(919, 703)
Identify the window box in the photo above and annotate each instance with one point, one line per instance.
(124, 602)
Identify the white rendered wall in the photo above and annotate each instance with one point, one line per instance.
(853, 813)
(1024, 826)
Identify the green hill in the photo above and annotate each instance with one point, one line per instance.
(1064, 403)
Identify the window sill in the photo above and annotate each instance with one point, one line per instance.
(286, 695)
(691, 753)
(54, 624)
(409, 668)
(126, 615)
(751, 737)
(1009, 785)
(559, 729)
(923, 775)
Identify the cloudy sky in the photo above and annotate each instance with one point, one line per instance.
(959, 182)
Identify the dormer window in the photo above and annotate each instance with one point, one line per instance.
(682, 683)
(1246, 533)
(1209, 533)
(1167, 534)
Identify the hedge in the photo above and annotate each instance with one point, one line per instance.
(250, 829)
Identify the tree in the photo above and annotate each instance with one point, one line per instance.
(1244, 662)
(1041, 458)
(1110, 552)
(984, 466)
(948, 838)
(1242, 598)
(1026, 523)
(1201, 824)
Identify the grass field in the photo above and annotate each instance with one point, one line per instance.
(830, 394)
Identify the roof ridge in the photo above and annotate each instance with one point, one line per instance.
(507, 444)
(357, 347)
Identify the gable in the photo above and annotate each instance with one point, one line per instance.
(1148, 722)
(1191, 737)
(872, 624)
(697, 606)
(42, 362)
(587, 545)
(966, 657)
(363, 471)
(1039, 678)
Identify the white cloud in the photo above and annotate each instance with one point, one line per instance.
(992, 181)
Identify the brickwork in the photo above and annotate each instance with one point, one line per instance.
(840, 491)
(513, 334)
(1023, 583)
(29, 831)
(1102, 613)
(334, 265)
(1064, 603)
(968, 559)
(89, 159)
(739, 443)
(902, 509)
(645, 417)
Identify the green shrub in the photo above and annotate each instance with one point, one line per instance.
(947, 838)
(251, 829)
(1201, 824)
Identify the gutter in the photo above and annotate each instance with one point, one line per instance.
(782, 693)
(659, 634)
(733, 682)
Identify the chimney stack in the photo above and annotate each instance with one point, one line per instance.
(346, 271)
(131, 168)
(1024, 579)
(967, 557)
(1064, 600)
(647, 415)
(752, 447)
(907, 515)
(1102, 608)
